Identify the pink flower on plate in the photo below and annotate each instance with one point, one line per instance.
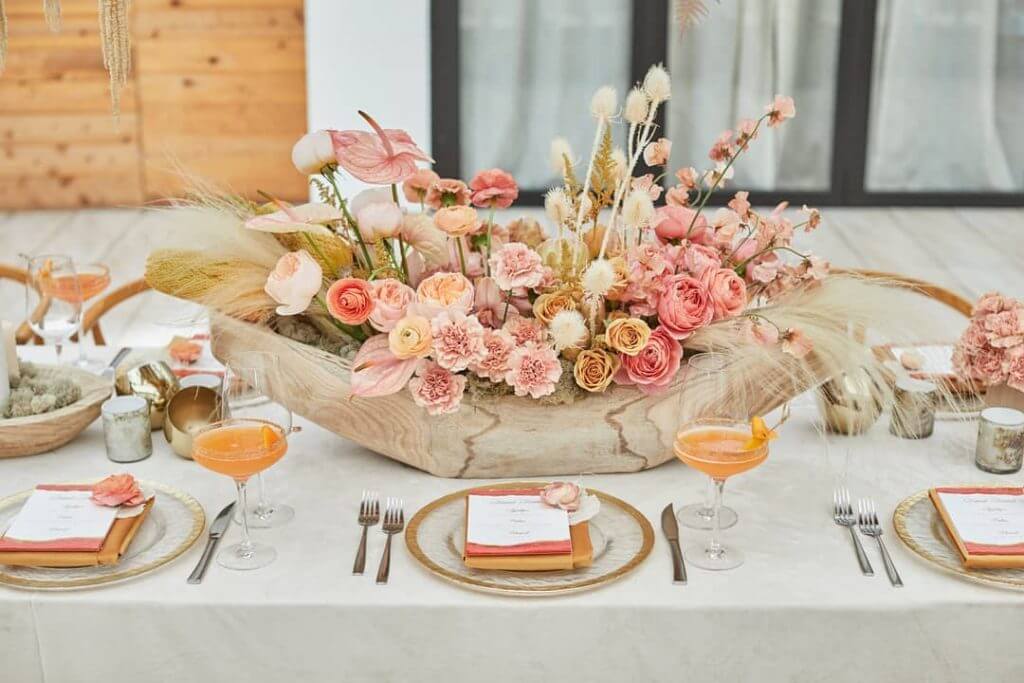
(447, 192)
(674, 222)
(780, 109)
(437, 389)
(533, 369)
(499, 345)
(685, 306)
(740, 204)
(562, 494)
(458, 340)
(493, 189)
(391, 299)
(415, 186)
(293, 283)
(728, 292)
(796, 343)
(516, 265)
(116, 490)
(383, 157)
(350, 301)
(723, 148)
(658, 152)
(525, 330)
(653, 369)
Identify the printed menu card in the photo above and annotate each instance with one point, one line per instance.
(986, 523)
(59, 518)
(515, 522)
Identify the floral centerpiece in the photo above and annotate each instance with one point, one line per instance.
(418, 284)
(990, 352)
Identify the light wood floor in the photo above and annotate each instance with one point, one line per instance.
(968, 250)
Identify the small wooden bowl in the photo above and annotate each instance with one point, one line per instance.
(41, 433)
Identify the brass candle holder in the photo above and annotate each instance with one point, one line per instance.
(152, 381)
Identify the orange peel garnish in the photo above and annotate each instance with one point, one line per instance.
(760, 434)
(270, 436)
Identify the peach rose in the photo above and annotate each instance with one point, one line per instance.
(494, 189)
(655, 366)
(562, 495)
(294, 282)
(444, 292)
(627, 335)
(391, 298)
(416, 186)
(546, 306)
(117, 489)
(684, 306)
(457, 221)
(411, 337)
(728, 292)
(594, 369)
(350, 300)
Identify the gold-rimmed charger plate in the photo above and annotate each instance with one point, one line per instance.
(172, 526)
(921, 529)
(622, 539)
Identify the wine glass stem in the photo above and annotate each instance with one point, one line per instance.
(709, 500)
(81, 340)
(263, 509)
(57, 348)
(245, 547)
(715, 547)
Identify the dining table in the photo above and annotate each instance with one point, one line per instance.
(798, 609)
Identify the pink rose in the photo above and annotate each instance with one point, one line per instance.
(533, 369)
(117, 489)
(658, 152)
(415, 186)
(437, 389)
(498, 345)
(458, 340)
(684, 306)
(561, 494)
(350, 300)
(391, 299)
(493, 189)
(699, 259)
(673, 223)
(443, 292)
(447, 192)
(293, 283)
(728, 292)
(655, 366)
(516, 265)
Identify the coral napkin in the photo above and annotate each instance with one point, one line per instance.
(964, 511)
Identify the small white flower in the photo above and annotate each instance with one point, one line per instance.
(638, 209)
(636, 106)
(568, 329)
(558, 153)
(657, 84)
(619, 159)
(599, 277)
(604, 103)
(556, 204)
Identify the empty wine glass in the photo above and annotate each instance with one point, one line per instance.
(53, 300)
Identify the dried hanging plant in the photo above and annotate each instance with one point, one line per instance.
(117, 49)
(51, 10)
(3, 35)
(689, 13)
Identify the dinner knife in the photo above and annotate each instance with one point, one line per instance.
(217, 529)
(671, 529)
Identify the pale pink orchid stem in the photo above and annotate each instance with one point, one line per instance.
(645, 137)
(380, 132)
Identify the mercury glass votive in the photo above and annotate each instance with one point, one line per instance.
(126, 428)
(1000, 447)
(913, 409)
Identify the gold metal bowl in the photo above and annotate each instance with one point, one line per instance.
(152, 381)
(189, 410)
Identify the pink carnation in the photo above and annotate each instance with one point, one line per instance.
(516, 265)
(655, 366)
(992, 302)
(437, 389)
(391, 298)
(1005, 329)
(458, 340)
(525, 330)
(494, 189)
(117, 489)
(499, 345)
(1015, 369)
(685, 306)
(533, 369)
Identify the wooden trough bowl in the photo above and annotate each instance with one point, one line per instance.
(621, 430)
(41, 433)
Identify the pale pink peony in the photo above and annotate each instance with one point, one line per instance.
(415, 186)
(117, 489)
(383, 157)
(493, 189)
(293, 283)
(533, 370)
(796, 343)
(562, 494)
(525, 330)
(499, 345)
(516, 265)
(437, 389)
(728, 292)
(447, 192)
(780, 109)
(443, 292)
(658, 152)
(685, 306)
(458, 340)
(655, 366)
(350, 301)
(391, 299)
(674, 223)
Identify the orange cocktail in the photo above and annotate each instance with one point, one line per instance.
(78, 288)
(719, 451)
(239, 448)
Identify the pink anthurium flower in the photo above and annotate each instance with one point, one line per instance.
(310, 217)
(377, 371)
(383, 157)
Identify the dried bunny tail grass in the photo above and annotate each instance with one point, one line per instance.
(117, 49)
(831, 314)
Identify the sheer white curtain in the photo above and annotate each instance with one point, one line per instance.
(528, 71)
(948, 96)
(733, 63)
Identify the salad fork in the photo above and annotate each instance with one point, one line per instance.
(867, 520)
(842, 513)
(369, 515)
(394, 522)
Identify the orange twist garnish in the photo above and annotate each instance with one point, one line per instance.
(760, 434)
(270, 436)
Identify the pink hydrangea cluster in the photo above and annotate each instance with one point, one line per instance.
(991, 350)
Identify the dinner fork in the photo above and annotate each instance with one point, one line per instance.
(369, 515)
(867, 520)
(394, 522)
(842, 513)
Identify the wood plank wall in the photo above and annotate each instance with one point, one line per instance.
(217, 92)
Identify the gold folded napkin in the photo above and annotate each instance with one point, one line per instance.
(120, 536)
(976, 555)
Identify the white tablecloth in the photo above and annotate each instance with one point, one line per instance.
(798, 610)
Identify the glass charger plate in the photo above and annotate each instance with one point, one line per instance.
(921, 529)
(173, 525)
(622, 539)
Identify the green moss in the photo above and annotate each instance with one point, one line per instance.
(39, 391)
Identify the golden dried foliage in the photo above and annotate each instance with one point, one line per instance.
(117, 49)
(602, 180)
(333, 253)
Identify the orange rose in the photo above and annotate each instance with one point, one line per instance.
(350, 300)
(594, 369)
(548, 305)
(457, 221)
(444, 292)
(627, 335)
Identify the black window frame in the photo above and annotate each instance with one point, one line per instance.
(650, 45)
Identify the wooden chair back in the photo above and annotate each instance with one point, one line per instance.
(92, 315)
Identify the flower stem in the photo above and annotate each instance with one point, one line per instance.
(348, 217)
(743, 265)
(490, 224)
(462, 255)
